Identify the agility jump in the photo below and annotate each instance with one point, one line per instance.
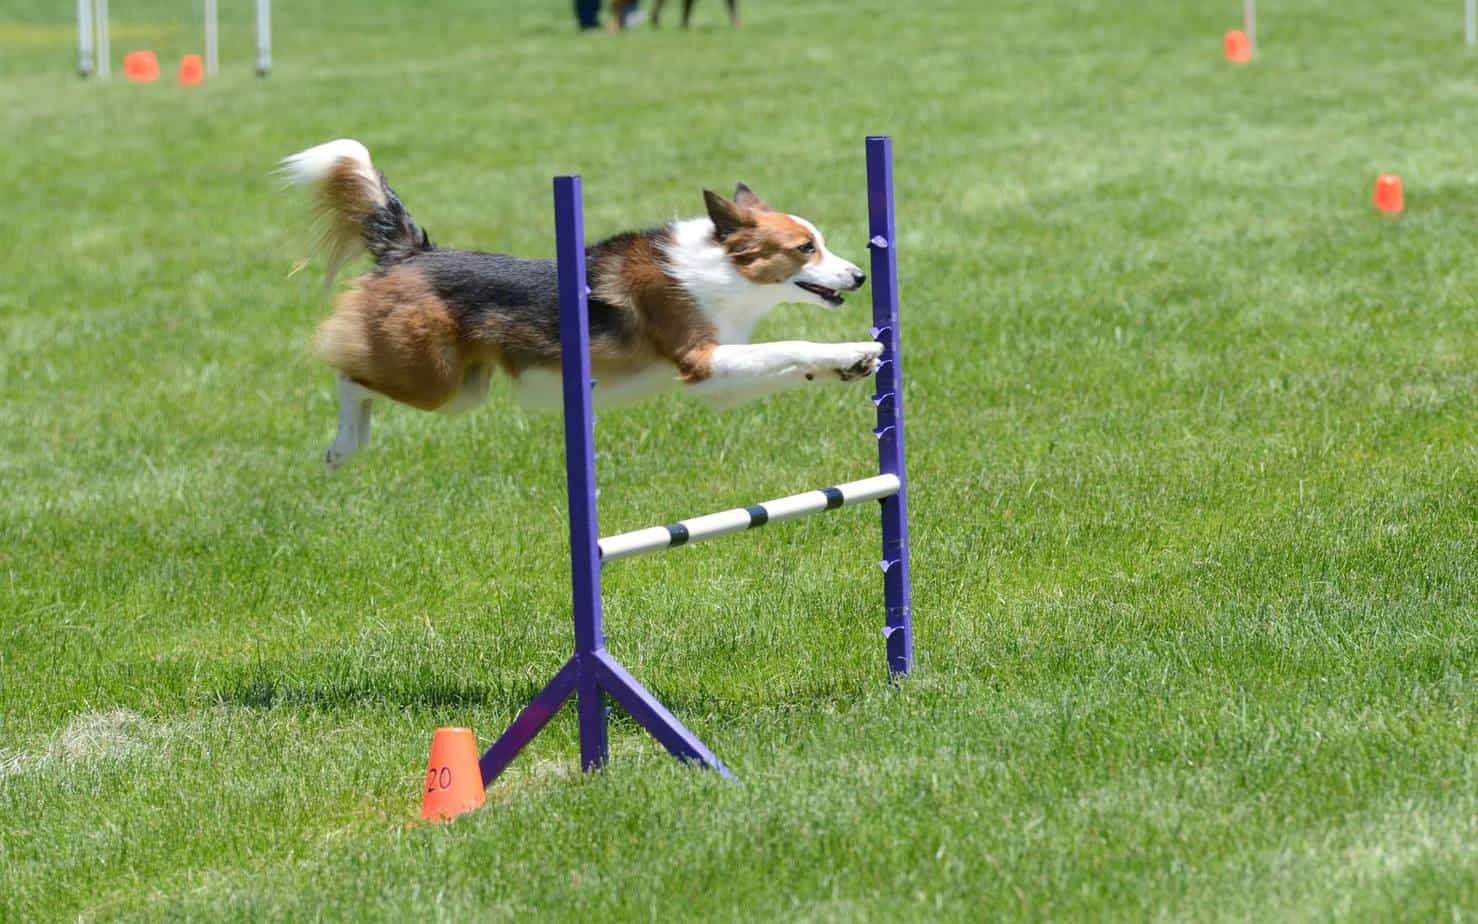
(592, 670)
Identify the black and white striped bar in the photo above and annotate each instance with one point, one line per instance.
(656, 538)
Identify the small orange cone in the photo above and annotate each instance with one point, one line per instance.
(192, 70)
(453, 778)
(141, 66)
(1236, 47)
(1388, 197)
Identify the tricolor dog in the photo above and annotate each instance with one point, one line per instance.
(673, 305)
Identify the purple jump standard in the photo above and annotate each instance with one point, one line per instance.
(592, 673)
(897, 596)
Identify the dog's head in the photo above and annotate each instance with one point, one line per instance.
(771, 248)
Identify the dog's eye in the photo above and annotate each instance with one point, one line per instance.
(807, 248)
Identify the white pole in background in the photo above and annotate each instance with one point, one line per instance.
(1249, 24)
(212, 40)
(264, 37)
(84, 38)
(1472, 23)
(104, 49)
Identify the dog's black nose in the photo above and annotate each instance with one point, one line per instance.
(858, 278)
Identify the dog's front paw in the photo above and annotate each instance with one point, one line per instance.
(337, 455)
(857, 360)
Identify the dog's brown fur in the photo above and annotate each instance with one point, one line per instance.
(390, 332)
(344, 198)
(670, 324)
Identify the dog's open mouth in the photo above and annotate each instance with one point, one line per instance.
(829, 296)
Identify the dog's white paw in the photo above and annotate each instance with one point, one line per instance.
(337, 455)
(854, 360)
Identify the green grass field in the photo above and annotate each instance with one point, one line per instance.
(1194, 449)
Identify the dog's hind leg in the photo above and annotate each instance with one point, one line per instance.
(354, 422)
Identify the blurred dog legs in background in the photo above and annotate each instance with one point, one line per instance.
(688, 12)
(624, 13)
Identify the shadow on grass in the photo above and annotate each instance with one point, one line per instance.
(258, 690)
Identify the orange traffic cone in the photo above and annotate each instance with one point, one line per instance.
(1236, 47)
(192, 70)
(141, 66)
(453, 778)
(1388, 197)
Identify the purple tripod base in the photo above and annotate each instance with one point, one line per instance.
(605, 674)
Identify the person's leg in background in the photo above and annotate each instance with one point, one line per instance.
(587, 12)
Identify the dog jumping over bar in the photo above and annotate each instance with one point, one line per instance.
(674, 304)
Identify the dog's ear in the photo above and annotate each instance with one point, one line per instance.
(746, 197)
(727, 216)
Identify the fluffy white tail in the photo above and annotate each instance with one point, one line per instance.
(314, 165)
(346, 189)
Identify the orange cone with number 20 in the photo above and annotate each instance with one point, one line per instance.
(453, 783)
(1388, 197)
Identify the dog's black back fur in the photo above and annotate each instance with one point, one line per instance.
(390, 233)
(516, 297)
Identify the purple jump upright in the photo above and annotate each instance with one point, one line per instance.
(592, 672)
(882, 240)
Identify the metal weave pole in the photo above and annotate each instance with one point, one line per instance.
(264, 37)
(883, 242)
(1470, 23)
(1249, 24)
(85, 58)
(104, 61)
(212, 39)
(591, 670)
